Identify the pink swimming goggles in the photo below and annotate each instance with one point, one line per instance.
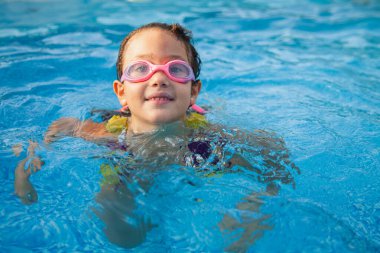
(140, 71)
(177, 70)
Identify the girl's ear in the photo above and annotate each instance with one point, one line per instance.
(195, 89)
(119, 89)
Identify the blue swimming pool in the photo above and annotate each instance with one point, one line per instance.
(307, 70)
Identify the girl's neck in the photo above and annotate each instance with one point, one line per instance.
(167, 129)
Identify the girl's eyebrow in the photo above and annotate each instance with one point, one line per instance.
(167, 58)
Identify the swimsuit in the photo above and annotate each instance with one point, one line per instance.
(197, 153)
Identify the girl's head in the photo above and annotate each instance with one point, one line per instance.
(181, 33)
(161, 97)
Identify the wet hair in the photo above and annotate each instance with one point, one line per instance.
(181, 33)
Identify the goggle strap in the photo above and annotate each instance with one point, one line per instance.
(198, 109)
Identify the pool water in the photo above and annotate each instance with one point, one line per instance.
(308, 71)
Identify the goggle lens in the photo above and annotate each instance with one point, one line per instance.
(138, 70)
(179, 70)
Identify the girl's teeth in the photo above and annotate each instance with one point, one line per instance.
(160, 99)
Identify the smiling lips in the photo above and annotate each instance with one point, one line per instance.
(160, 98)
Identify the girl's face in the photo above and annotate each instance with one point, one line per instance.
(158, 100)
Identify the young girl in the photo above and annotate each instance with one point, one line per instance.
(157, 70)
(157, 87)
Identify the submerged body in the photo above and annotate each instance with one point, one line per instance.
(193, 146)
(207, 152)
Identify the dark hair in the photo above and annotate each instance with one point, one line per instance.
(181, 33)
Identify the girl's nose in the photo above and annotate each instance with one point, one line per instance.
(159, 78)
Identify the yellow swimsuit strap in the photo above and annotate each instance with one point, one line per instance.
(195, 120)
(117, 123)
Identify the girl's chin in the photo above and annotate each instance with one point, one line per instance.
(162, 117)
(163, 121)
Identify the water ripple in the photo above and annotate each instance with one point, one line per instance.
(81, 39)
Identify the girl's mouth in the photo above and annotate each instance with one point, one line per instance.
(160, 98)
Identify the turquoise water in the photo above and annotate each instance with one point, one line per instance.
(306, 70)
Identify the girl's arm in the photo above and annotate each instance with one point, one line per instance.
(266, 155)
(88, 130)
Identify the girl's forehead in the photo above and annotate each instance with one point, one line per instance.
(156, 45)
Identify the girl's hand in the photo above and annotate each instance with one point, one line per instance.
(32, 163)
